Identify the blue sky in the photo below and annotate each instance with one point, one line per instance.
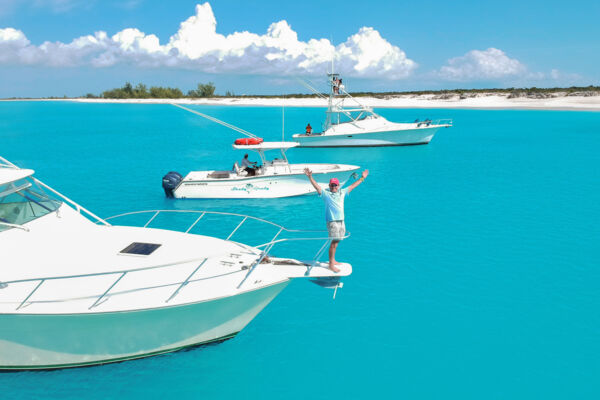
(73, 47)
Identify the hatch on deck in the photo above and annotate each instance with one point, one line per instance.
(140, 249)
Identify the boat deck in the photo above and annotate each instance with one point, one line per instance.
(54, 276)
(272, 170)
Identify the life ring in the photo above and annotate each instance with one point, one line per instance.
(248, 141)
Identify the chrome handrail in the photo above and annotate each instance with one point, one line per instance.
(215, 213)
(78, 207)
(4, 163)
(434, 122)
(52, 278)
(444, 121)
(14, 226)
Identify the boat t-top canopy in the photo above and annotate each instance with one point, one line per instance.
(266, 146)
(8, 175)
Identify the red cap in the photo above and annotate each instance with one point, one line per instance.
(334, 181)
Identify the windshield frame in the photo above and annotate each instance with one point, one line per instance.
(27, 202)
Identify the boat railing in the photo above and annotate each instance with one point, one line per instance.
(202, 213)
(265, 247)
(436, 122)
(80, 209)
(4, 163)
(444, 121)
(97, 299)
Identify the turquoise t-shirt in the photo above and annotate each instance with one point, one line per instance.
(334, 204)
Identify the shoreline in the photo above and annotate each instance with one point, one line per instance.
(478, 102)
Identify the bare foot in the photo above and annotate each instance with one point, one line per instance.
(334, 269)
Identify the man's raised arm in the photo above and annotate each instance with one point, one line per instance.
(308, 173)
(365, 173)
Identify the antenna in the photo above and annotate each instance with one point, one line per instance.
(332, 54)
(283, 120)
(332, 57)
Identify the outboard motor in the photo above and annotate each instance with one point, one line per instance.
(170, 182)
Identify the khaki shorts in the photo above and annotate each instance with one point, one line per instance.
(336, 229)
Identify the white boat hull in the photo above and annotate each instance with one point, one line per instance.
(37, 341)
(403, 137)
(272, 186)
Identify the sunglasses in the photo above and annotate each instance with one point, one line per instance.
(333, 184)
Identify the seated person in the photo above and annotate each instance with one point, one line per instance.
(308, 129)
(248, 166)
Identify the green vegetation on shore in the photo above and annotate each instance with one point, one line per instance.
(206, 90)
(141, 91)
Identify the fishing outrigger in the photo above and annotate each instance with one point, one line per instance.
(271, 178)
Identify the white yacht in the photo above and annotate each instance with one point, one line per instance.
(358, 126)
(271, 179)
(76, 290)
(274, 178)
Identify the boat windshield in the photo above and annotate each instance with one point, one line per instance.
(23, 201)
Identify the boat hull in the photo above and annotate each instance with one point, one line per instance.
(403, 137)
(36, 341)
(257, 187)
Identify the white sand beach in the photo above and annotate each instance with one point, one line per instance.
(555, 101)
(582, 101)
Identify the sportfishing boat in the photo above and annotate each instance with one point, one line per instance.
(76, 290)
(273, 178)
(358, 126)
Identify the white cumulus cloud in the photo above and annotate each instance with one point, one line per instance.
(198, 45)
(482, 64)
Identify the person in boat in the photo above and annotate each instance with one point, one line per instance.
(333, 197)
(335, 86)
(308, 129)
(248, 166)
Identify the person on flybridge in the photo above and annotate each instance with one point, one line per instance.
(334, 210)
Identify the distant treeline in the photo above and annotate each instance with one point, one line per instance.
(141, 91)
(512, 92)
(208, 90)
(517, 92)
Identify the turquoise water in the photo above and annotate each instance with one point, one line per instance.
(476, 258)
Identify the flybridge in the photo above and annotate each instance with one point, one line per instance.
(359, 126)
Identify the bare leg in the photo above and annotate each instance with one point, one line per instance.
(332, 249)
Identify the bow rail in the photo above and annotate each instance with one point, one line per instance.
(264, 248)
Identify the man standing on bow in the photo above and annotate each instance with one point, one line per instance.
(334, 210)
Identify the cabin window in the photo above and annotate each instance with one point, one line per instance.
(21, 202)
